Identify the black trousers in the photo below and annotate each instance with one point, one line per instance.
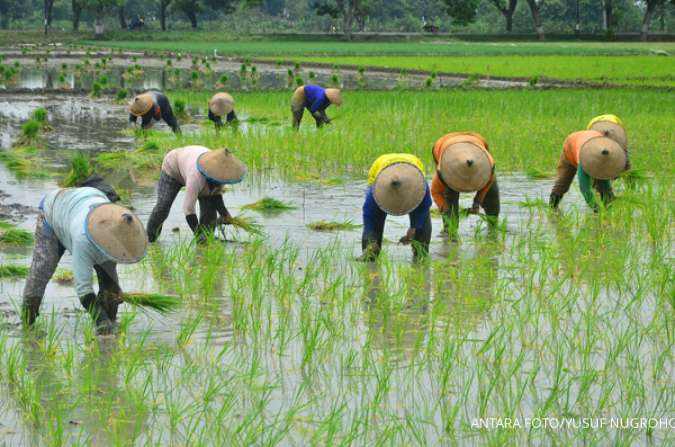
(490, 205)
(421, 242)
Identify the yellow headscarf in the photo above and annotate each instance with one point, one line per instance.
(389, 159)
(608, 117)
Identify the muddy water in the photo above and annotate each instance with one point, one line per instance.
(80, 122)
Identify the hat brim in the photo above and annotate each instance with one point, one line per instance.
(613, 131)
(602, 158)
(458, 174)
(404, 198)
(221, 167)
(124, 243)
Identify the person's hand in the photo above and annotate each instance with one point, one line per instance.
(408, 238)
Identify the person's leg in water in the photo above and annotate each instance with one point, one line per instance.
(47, 252)
(167, 190)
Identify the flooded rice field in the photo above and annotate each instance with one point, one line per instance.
(289, 341)
(79, 72)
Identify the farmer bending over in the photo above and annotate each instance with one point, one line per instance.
(151, 106)
(98, 234)
(396, 185)
(464, 164)
(315, 99)
(595, 159)
(221, 104)
(203, 172)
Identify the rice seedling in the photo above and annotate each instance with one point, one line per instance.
(325, 225)
(13, 271)
(40, 115)
(30, 131)
(80, 170)
(121, 95)
(269, 204)
(64, 277)
(15, 236)
(162, 304)
(24, 161)
(247, 224)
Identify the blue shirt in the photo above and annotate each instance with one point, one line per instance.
(315, 98)
(66, 212)
(374, 216)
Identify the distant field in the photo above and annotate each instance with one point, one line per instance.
(641, 70)
(431, 47)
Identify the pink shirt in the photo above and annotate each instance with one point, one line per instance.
(181, 165)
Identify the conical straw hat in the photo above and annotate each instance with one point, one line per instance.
(465, 167)
(117, 232)
(221, 166)
(602, 158)
(399, 188)
(613, 131)
(221, 104)
(141, 104)
(334, 96)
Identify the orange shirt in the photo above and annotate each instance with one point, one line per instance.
(437, 185)
(573, 143)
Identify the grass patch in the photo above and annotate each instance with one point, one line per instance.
(623, 70)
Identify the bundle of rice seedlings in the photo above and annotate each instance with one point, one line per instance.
(247, 224)
(64, 277)
(154, 301)
(326, 225)
(80, 170)
(269, 204)
(15, 236)
(13, 271)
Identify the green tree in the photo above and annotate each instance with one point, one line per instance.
(507, 8)
(535, 10)
(163, 12)
(192, 8)
(349, 10)
(650, 7)
(462, 12)
(76, 6)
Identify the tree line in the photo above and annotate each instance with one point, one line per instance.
(348, 16)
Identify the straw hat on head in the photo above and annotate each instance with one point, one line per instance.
(221, 166)
(465, 167)
(141, 104)
(399, 188)
(117, 232)
(334, 95)
(612, 130)
(221, 104)
(602, 158)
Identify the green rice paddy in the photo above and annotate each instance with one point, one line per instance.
(556, 315)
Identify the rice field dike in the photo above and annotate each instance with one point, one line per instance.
(548, 327)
